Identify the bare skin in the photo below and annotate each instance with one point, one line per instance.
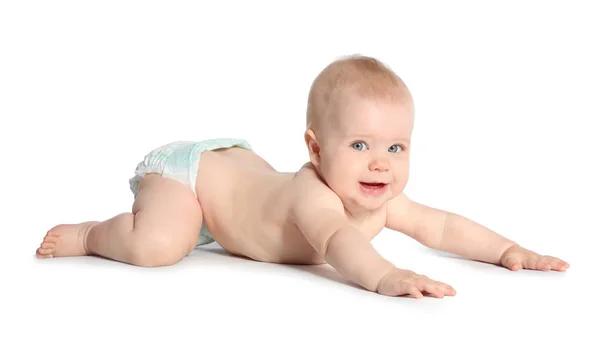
(264, 227)
(246, 206)
(327, 212)
(258, 227)
(167, 219)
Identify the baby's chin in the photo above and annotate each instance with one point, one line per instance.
(362, 203)
(374, 204)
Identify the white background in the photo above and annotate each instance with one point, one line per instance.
(506, 134)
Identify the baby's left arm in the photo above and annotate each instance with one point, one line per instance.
(453, 233)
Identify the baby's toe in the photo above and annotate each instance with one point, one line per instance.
(50, 238)
(47, 245)
(44, 253)
(54, 231)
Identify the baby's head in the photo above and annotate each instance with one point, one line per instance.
(359, 124)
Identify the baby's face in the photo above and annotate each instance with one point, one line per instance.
(365, 152)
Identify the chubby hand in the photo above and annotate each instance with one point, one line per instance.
(517, 257)
(404, 282)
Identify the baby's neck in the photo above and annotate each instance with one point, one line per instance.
(359, 214)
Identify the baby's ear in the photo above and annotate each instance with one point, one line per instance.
(313, 147)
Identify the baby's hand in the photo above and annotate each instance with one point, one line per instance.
(404, 282)
(516, 257)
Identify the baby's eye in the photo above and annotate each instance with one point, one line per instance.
(395, 148)
(359, 145)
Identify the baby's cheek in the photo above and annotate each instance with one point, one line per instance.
(400, 182)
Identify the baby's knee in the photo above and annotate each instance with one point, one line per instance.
(157, 251)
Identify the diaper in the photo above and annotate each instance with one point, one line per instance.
(179, 161)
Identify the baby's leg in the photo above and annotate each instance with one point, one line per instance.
(163, 228)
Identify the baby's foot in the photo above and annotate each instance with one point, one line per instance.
(65, 240)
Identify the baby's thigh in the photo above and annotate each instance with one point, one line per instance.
(167, 213)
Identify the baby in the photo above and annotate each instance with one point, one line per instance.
(359, 124)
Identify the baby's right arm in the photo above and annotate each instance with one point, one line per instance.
(320, 215)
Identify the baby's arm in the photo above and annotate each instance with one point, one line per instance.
(319, 214)
(453, 233)
(445, 231)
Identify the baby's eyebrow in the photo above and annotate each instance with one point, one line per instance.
(404, 140)
(400, 139)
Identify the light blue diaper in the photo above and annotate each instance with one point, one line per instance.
(179, 160)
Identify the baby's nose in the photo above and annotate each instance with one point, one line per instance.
(379, 165)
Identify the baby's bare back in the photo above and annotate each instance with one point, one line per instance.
(246, 206)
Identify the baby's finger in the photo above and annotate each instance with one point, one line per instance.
(513, 264)
(557, 264)
(543, 264)
(434, 290)
(448, 290)
(402, 288)
(414, 292)
(444, 288)
(530, 262)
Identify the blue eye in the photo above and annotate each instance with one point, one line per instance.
(395, 148)
(359, 145)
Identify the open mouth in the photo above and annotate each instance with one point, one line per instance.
(373, 185)
(373, 188)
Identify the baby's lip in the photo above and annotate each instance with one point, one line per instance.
(384, 183)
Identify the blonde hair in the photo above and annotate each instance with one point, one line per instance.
(363, 76)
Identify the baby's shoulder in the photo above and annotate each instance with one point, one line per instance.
(310, 189)
(308, 179)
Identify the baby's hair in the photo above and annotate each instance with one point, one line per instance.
(364, 76)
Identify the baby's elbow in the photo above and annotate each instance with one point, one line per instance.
(320, 231)
(325, 249)
(430, 240)
(431, 234)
